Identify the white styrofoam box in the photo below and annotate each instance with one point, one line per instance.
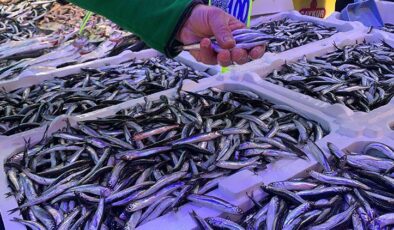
(15, 145)
(261, 7)
(34, 79)
(186, 58)
(37, 78)
(232, 81)
(336, 110)
(235, 187)
(28, 81)
(232, 188)
(341, 26)
(348, 32)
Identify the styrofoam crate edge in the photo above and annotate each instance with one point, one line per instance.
(186, 58)
(335, 117)
(382, 33)
(232, 80)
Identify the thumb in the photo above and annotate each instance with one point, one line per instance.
(219, 23)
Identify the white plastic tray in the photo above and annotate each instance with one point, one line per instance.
(345, 132)
(35, 79)
(317, 49)
(273, 60)
(232, 188)
(66, 71)
(342, 26)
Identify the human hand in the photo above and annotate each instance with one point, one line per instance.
(207, 21)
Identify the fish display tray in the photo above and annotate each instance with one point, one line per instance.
(232, 188)
(27, 81)
(37, 78)
(269, 60)
(314, 50)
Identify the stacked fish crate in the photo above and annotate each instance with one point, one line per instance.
(140, 141)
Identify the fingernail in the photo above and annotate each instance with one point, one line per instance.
(227, 39)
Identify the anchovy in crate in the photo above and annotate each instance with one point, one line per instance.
(90, 90)
(18, 20)
(359, 76)
(47, 53)
(128, 169)
(388, 27)
(297, 33)
(354, 193)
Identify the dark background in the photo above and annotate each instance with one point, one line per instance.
(340, 4)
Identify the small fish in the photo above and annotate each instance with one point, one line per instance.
(216, 203)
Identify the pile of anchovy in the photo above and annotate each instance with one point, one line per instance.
(25, 47)
(358, 76)
(249, 38)
(123, 171)
(358, 194)
(68, 15)
(39, 55)
(294, 33)
(388, 27)
(18, 21)
(90, 90)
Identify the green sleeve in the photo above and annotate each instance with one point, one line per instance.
(154, 21)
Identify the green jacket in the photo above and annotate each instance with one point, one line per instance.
(155, 21)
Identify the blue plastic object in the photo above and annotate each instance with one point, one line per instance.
(364, 11)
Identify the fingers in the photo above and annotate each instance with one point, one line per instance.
(239, 56)
(224, 58)
(257, 52)
(219, 23)
(207, 55)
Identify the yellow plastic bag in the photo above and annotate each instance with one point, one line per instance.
(315, 8)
